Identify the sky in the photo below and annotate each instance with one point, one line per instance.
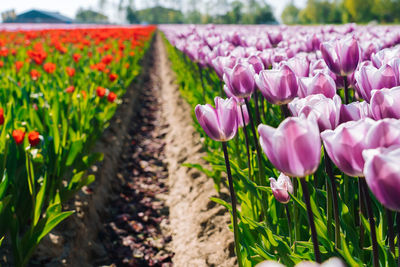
(70, 7)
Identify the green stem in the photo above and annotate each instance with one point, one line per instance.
(234, 204)
(390, 230)
(289, 223)
(371, 220)
(247, 143)
(314, 236)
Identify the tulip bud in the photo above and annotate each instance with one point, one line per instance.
(382, 173)
(220, 63)
(278, 86)
(341, 56)
(281, 188)
(240, 80)
(346, 143)
(111, 97)
(294, 148)
(325, 111)
(385, 103)
(321, 83)
(219, 123)
(369, 78)
(101, 91)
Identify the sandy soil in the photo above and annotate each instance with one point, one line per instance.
(200, 234)
(198, 226)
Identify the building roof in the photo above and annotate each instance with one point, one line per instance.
(35, 13)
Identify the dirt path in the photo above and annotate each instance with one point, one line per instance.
(145, 208)
(200, 234)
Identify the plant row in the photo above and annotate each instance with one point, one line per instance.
(59, 89)
(307, 121)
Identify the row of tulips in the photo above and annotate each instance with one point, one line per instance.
(328, 137)
(59, 90)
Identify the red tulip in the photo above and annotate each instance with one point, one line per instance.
(33, 138)
(49, 67)
(35, 74)
(111, 97)
(70, 89)
(101, 92)
(1, 116)
(18, 136)
(70, 71)
(113, 77)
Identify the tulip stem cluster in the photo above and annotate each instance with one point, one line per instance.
(314, 236)
(246, 138)
(333, 191)
(233, 202)
(371, 220)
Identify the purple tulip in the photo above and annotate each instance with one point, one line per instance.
(294, 148)
(321, 83)
(382, 173)
(384, 133)
(240, 80)
(346, 143)
(354, 111)
(369, 78)
(385, 103)
(341, 56)
(281, 188)
(219, 123)
(300, 66)
(275, 37)
(332, 262)
(220, 63)
(256, 62)
(325, 111)
(278, 86)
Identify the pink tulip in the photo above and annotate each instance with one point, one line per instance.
(281, 188)
(256, 62)
(278, 86)
(299, 65)
(354, 111)
(220, 63)
(384, 133)
(240, 80)
(385, 103)
(346, 143)
(369, 78)
(219, 123)
(321, 83)
(294, 148)
(325, 111)
(341, 56)
(382, 173)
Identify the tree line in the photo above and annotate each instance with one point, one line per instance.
(342, 11)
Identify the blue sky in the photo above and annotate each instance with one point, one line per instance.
(69, 7)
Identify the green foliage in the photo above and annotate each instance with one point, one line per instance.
(90, 16)
(342, 11)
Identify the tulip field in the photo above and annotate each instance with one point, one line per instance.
(301, 125)
(60, 88)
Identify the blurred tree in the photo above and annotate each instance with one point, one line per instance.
(290, 14)
(360, 10)
(90, 16)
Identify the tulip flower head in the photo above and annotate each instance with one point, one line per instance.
(34, 138)
(354, 111)
(219, 123)
(70, 89)
(18, 136)
(240, 80)
(325, 111)
(278, 86)
(1, 116)
(101, 91)
(341, 56)
(385, 103)
(113, 77)
(370, 78)
(49, 67)
(294, 148)
(321, 83)
(382, 173)
(281, 188)
(111, 97)
(346, 143)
